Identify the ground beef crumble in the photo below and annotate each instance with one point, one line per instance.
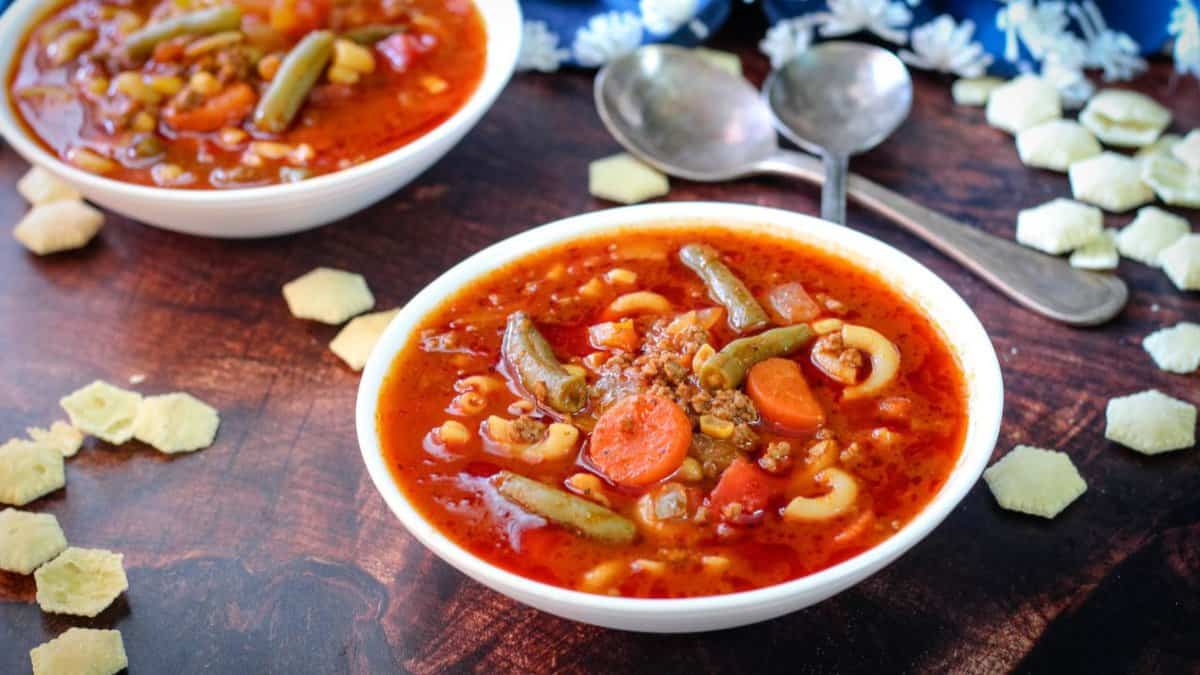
(663, 368)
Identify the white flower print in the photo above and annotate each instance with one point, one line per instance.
(883, 18)
(787, 39)
(606, 37)
(539, 48)
(1063, 67)
(1037, 26)
(1113, 51)
(945, 46)
(664, 17)
(1185, 27)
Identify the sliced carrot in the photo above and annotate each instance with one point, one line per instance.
(745, 484)
(642, 439)
(226, 109)
(782, 396)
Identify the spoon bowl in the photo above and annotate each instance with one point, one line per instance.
(685, 116)
(840, 97)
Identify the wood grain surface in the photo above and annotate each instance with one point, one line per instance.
(271, 552)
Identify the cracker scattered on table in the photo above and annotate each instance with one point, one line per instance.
(1181, 262)
(176, 422)
(1124, 118)
(328, 295)
(29, 471)
(81, 651)
(80, 581)
(1056, 144)
(974, 91)
(1022, 103)
(355, 341)
(28, 539)
(103, 410)
(1151, 422)
(727, 61)
(1098, 254)
(1145, 237)
(39, 186)
(1059, 226)
(61, 436)
(1035, 481)
(1111, 181)
(58, 226)
(1187, 150)
(624, 179)
(1172, 180)
(1175, 349)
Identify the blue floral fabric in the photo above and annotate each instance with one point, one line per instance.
(582, 32)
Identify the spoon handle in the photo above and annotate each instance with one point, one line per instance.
(1042, 283)
(833, 194)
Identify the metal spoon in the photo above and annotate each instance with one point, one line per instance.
(836, 100)
(688, 118)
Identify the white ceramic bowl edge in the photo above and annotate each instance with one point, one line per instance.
(276, 209)
(949, 312)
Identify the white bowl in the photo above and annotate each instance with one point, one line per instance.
(962, 331)
(274, 209)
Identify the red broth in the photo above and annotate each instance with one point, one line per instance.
(83, 111)
(899, 446)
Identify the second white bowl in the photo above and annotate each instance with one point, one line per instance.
(274, 209)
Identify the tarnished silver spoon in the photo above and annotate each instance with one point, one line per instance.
(677, 112)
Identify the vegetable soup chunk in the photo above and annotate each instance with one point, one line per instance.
(621, 415)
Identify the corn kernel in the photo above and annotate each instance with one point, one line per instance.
(270, 149)
(620, 275)
(341, 75)
(351, 56)
(96, 85)
(593, 289)
(231, 136)
(434, 84)
(453, 433)
(603, 576)
(715, 564)
(168, 85)
(575, 369)
(90, 161)
(654, 567)
(690, 471)
(716, 427)
(702, 355)
(203, 83)
(132, 85)
(826, 326)
(143, 121)
(268, 66)
(165, 174)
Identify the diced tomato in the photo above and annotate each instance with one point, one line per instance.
(299, 17)
(746, 485)
(401, 49)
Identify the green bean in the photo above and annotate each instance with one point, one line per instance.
(745, 314)
(564, 508)
(373, 32)
(141, 43)
(540, 373)
(293, 81)
(727, 368)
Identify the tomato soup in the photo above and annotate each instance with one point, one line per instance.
(241, 93)
(673, 413)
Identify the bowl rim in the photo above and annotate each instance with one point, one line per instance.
(982, 375)
(502, 21)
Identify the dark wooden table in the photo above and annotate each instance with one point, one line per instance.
(272, 552)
